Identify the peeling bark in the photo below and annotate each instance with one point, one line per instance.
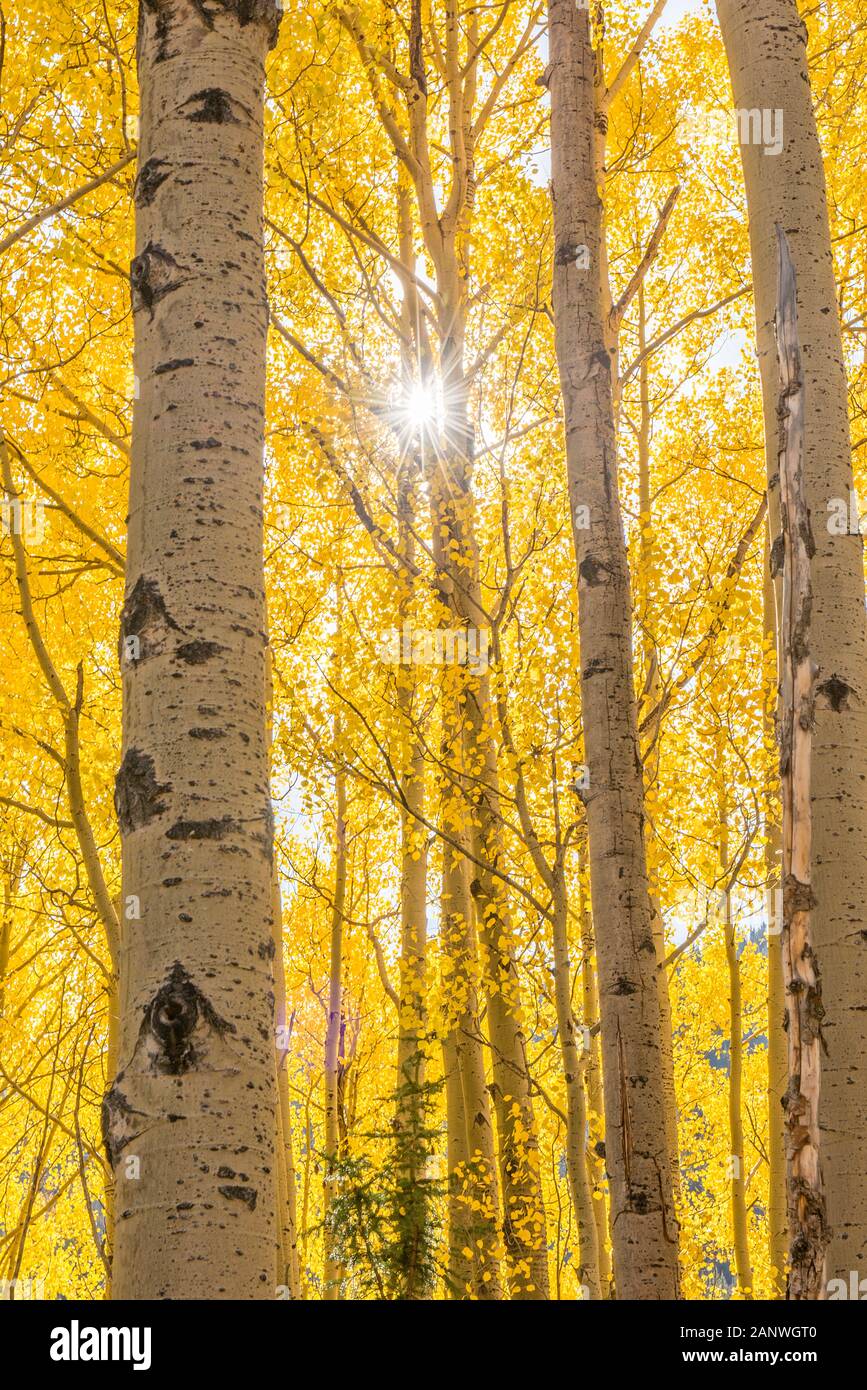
(766, 50)
(808, 1224)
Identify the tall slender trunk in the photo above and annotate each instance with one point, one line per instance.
(194, 1097)
(646, 598)
(574, 1066)
(412, 1107)
(805, 1010)
(448, 238)
(288, 1267)
(456, 553)
(459, 1279)
(411, 1118)
(644, 1227)
(766, 49)
(474, 1256)
(334, 1032)
(778, 1065)
(594, 1147)
(11, 884)
(737, 1158)
(288, 1270)
(411, 1115)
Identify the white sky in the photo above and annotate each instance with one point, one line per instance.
(676, 9)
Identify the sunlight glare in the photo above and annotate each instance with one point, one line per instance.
(421, 405)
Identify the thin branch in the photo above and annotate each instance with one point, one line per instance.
(39, 217)
(632, 57)
(638, 275)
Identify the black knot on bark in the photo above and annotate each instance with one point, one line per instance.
(595, 667)
(150, 177)
(172, 1020)
(152, 275)
(835, 692)
(172, 1017)
(137, 793)
(216, 829)
(623, 986)
(144, 619)
(215, 107)
(198, 652)
(267, 12)
(593, 571)
(247, 1195)
(570, 251)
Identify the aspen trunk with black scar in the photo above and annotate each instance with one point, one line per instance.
(766, 48)
(644, 1228)
(189, 1119)
(808, 1224)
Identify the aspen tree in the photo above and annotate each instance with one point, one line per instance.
(574, 1056)
(647, 596)
(613, 314)
(595, 1147)
(411, 1106)
(644, 1229)
(448, 240)
(334, 1030)
(737, 1159)
(447, 234)
(411, 1109)
(288, 1272)
(474, 1254)
(802, 973)
(189, 1118)
(766, 51)
(574, 1048)
(777, 1058)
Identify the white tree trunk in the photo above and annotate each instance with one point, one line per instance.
(766, 49)
(804, 1009)
(189, 1119)
(643, 1223)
